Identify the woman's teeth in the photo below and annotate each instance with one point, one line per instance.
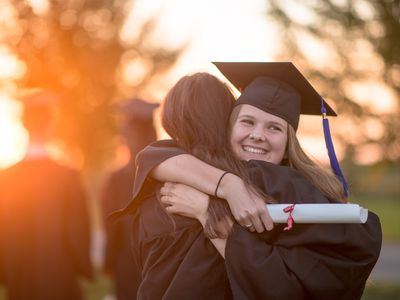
(254, 150)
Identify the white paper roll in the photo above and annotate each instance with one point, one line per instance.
(319, 213)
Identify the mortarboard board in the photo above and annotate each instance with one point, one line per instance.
(274, 87)
(280, 89)
(137, 109)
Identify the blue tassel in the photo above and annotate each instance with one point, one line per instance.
(331, 150)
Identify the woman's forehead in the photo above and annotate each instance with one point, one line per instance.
(256, 113)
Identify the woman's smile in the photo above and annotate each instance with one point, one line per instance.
(258, 135)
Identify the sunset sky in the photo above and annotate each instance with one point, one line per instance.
(218, 30)
(232, 30)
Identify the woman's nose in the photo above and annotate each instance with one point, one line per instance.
(257, 135)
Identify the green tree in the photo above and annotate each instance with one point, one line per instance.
(75, 48)
(347, 48)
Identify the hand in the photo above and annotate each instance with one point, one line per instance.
(185, 200)
(247, 207)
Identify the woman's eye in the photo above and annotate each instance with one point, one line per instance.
(276, 128)
(246, 121)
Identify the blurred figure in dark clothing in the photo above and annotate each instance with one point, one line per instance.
(44, 223)
(138, 131)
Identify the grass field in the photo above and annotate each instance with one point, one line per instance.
(388, 210)
(101, 287)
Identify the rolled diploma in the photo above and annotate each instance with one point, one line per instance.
(319, 213)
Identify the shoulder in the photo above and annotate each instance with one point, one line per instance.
(267, 167)
(275, 174)
(284, 183)
(159, 149)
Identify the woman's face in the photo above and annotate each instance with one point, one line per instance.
(258, 135)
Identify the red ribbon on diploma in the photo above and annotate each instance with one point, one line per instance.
(289, 209)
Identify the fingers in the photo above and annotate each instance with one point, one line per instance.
(166, 200)
(246, 220)
(167, 188)
(171, 209)
(169, 204)
(258, 225)
(266, 219)
(256, 219)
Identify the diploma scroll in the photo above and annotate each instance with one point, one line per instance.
(319, 213)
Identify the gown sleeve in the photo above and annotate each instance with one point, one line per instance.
(174, 258)
(150, 157)
(311, 261)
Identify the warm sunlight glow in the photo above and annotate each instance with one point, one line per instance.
(374, 95)
(134, 71)
(368, 154)
(216, 31)
(13, 137)
(10, 66)
(315, 147)
(40, 7)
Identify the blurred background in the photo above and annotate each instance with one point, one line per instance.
(96, 53)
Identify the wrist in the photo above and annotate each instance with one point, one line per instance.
(202, 219)
(226, 183)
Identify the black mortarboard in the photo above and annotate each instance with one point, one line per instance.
(39, 109)
(137, 109)
(274, 87)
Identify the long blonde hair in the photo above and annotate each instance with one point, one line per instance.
(325, 181)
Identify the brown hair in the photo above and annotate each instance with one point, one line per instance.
(196, 113)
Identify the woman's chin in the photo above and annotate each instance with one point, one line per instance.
(248, 157)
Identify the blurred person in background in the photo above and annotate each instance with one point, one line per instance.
(138, 131)
(44, 221)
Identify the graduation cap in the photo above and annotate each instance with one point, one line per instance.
(136, 109)
(274, 87)
(280, 89)
(39, 109)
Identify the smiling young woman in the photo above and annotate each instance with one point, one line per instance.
(258, 135)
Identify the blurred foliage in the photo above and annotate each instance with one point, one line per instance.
(75, 48)
(387, 208)
(373, 181)
(342, 45)
(98, 288)
(381, 292)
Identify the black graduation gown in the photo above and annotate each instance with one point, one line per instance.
(312, 261)
(174, 258)
(118, 255)
(44, 231)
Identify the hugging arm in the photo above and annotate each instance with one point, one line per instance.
(189, 202)
(247, 207)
